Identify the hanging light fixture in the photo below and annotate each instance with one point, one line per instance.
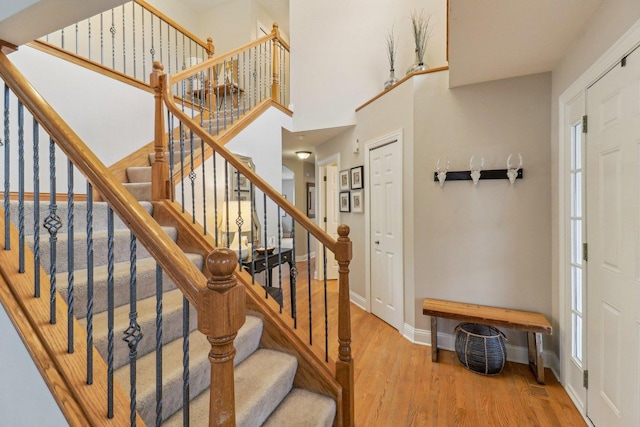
(303, 155)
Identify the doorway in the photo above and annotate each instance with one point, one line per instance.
(384, 228)
(328, 214)
(613, 235)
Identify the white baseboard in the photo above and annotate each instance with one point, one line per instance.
(446, 341)
(305, 257)
(358, 300)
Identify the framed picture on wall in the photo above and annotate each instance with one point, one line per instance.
(357, 205)
(357, 181)
(343, 178)
(344, 201)
(311, 199)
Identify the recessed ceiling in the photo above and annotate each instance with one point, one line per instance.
(496, 39)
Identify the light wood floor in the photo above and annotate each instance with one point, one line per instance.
(398, 385)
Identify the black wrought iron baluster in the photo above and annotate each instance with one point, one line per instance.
(252, 232)
(226, 202)
(133, 334)
(266, 244)
(144, 48)
(215, 199)
(133, 40)
(224, 94)
(113, 40)
(110, 311)
(309, 287)
(7, 174)
(101, 39)
(52, 224)
(244, 81)
(160, 45)
(76, 38)
(62, 38)
(70, 256)
(20, 187)
(326, 304)
(204, 188)
(168, 49)
(175, 32)
(280, 257)
(153, 43)
(192, 175)
(172, 160)
(36, 208)
(158, 345)
(90, 254)
(182, 164)
(124, 45)
(294, 277)
(239, 220)
(89, 33)
(186, 393)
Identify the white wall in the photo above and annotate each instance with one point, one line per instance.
(23, 388)
(340, 47)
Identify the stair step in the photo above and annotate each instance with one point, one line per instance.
(177, 155)
(140, 191)
(303, 408)
(261, 383)
(172, 371)
(79, 216)
(139, 174)
(145, 279)
(121, 241)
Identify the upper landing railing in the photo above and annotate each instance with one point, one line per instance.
(129, 38)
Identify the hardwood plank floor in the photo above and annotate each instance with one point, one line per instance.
(396, 384)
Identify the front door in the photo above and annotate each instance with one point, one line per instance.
(613, 235)
(385, 180)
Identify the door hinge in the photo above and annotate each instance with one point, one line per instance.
(584, 124)
(585, 379)
(324, 178)
(325, 219)
(585, 252)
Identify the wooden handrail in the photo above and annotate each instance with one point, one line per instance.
(173, 23)
(215, 60)
(181, 270)
(257, 181)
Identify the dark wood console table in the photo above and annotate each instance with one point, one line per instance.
(266, 262)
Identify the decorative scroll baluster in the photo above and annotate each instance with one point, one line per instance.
(101, 39)
(222, 295)
(158, 345)
(110, 311)
(252, 232)
(182, 158)
(266, 243)
(7, 174)
(76, 38)
(153, 42)
(172, 160)
(70, 256)
(133, 23)
(215, 200)
(124, 46)
(280, 257)
(133, 334)
(144, 49)
(89, 283)
(294, 277)
(89, 36)
(186, 393)
(113, 31)
(204, 188)
(226, 204)
(20, 187)
(192, 176)
(36, 208)
(52, 224)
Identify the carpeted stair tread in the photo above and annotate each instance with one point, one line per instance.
(303, 408)
(140, 191)
(79, 216)
(172, 312)
(121, 242)
(176, 154)
(145, 278)
(139, 173)
(261, 383)
(172, 371)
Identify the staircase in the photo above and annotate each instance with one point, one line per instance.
(264, 392)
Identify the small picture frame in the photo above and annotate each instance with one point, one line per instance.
(311, 199)
(343, 179)
(357, 202)
(357, 181)
(344, 201)
(240, 182)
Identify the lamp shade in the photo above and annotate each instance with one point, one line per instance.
(236, 209)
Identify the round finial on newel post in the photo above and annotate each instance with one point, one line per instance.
(221, 263)
(343, 231)
(275, 30)
(158, 66)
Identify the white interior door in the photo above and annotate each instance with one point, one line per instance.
(613, 233)
(385, 210)
(331, 216)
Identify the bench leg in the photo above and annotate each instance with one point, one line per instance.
(434, 339)
(536, 362)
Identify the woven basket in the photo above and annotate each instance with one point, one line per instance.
(480, 348)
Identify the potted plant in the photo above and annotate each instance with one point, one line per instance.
(391, 56)
(421, 34)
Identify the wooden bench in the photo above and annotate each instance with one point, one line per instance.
(535, 324)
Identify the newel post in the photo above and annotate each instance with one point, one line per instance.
(221, 313)
(275, 58)
(160, 168)
(344, 364)
(211, 49)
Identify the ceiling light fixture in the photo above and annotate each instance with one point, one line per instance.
(302, 155)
